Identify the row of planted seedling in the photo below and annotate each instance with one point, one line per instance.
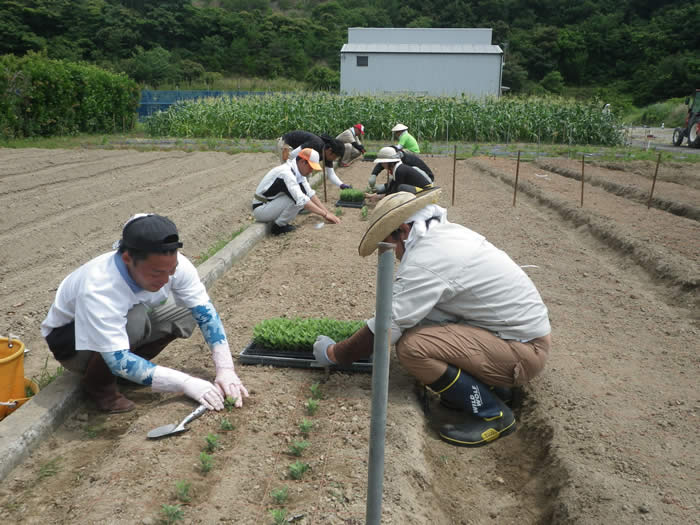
(174, 513)
(298, 468)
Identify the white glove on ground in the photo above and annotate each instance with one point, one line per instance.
(226, 378)
(169, 380)
(321, 350)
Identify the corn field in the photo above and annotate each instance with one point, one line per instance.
(511, 119)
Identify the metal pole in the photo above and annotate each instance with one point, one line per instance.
(454, 169)
(517, 172)
(323, 167)
(583, 164)
(656, 172)
(380, 383)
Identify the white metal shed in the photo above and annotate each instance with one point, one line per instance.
(441, 62)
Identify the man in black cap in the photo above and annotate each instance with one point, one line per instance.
(119, 310)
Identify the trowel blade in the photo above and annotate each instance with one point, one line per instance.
(161, 431)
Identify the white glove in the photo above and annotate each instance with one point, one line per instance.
(372, 180)
(321, 350)
(226, 378)
(169, 380)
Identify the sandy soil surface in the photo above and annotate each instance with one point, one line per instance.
(608, 432)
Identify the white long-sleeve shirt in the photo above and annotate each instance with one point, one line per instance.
(454, 275)
(285, 179)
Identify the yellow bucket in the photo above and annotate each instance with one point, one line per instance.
(11, 373)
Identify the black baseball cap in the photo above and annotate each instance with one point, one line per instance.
(150, 233)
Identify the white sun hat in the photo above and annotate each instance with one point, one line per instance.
(391, 212)
(399, 127)
(387, 154)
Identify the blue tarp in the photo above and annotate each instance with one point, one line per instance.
(160, 100)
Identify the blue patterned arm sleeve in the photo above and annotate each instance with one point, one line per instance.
(130, 366)
(210, 323)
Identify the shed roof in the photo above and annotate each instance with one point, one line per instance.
(463, 49)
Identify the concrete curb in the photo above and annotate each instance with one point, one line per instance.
(24, 429)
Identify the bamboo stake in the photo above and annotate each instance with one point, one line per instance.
(653, 183)
(517, 172)
(454, 170)
(583, 164)
(325, 194)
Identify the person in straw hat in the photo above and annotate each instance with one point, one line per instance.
(405, 139)
(465, 317)
(400, 176)
(407, 159)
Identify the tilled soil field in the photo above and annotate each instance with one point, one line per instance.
(607, 433)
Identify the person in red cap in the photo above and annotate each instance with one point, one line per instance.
(284, 192)
(353, 145)
(118, 311)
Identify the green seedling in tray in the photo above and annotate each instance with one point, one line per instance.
(295, 334)
(297, 448)
(352, 195)
(280, 496)
(297, 469)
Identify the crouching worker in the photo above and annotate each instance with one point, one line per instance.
(465, 317)
(400, 176)
(284, 192)
(118, 311)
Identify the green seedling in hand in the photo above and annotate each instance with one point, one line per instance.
(230, 403)
(315, 390)
(306, 426)
(311, 406)
(172, 513)
(279, 516)
(297, 447)
(212, 442)
(182, 490)
(280, 495)
(338, 211)
(225, 424)
(206, 462)
(297, 469)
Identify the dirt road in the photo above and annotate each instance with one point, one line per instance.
(608, 432)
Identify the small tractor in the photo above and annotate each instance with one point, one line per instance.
(692, 123)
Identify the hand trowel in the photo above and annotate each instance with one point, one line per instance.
(169, 430)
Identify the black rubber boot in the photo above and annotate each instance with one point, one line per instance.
(489, 417)
(101, 385)
(276, 229)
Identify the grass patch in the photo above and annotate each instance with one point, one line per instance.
(49, 469)
(219, 245)
(46, 376)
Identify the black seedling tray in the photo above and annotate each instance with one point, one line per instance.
(259, 355)
(350, 204)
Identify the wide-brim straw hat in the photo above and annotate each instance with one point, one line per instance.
(391, 212)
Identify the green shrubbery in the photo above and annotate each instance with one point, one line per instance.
(294, 334)
(508, 119)
(42, 97)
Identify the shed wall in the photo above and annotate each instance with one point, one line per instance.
(432, 74)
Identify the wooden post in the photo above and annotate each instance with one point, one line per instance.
(583, 164)
(454, 170)
(653, 183)
(323, 168)
(517, 172)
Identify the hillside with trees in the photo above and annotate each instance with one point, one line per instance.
(642, 50)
